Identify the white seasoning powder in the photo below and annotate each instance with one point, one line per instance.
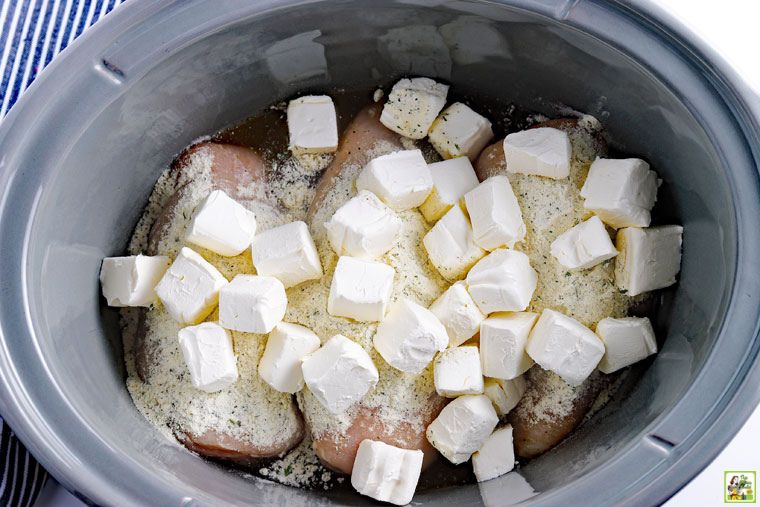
(300, 467)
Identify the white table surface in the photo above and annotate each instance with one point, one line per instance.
(731, 26)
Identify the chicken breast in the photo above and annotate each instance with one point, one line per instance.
(236, 170)
(248, 420)
(400, 407)
(551, 409)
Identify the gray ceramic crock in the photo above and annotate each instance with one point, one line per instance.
(82, 149)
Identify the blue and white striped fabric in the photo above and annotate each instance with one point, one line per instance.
(32, 32)
(21, 477)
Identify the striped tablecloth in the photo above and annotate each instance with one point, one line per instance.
(32, 33)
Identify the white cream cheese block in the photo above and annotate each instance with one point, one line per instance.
(503, 281)
(565, 346)
(339, 373)
(649, 258)
(621, 192)
(452, 179)
(458, 313)
(360, 289)
(401, 179)
(504, 394)
(456, 371)
(312, 124)
(626, 341)
(364, 227)
(252, 304)
(460, 131)
(450, 245)
(207, 351)
(386, 473)
(494, 213)
(222, 225)
(412, 106)
(541, 151)
(190, 287)
(496, 457)
(462, 427)
(503, 338)
(280, 365)
(409, 337)
(584, 246)
(287, 253)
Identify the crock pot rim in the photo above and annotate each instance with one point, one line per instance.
(32, 429)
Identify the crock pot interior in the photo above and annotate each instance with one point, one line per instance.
(93, 199)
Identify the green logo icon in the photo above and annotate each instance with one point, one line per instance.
(739, 486)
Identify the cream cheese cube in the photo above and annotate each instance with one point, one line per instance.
(450, 245)
(584, 246)
(451, 180)
(460, 131)
(457, 371)
(360, 289)
(649, 258)
(364, 227)
(207, 350)
(494, 213)
(400, 179)
(496, 457)
(409, 337)
(312, 124)
(503, 337)
(462, 427)
(565, 346)
(131, 281)
(252, 304)
(458, 313)
(386, 473)
(503, 281)
(287, 253)
(189, 290)
(621, 191)
(542, 151)
(504, 394)
(626, 341)
(280, 365)
(222, 225)
(339, 373)
(413, 105)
